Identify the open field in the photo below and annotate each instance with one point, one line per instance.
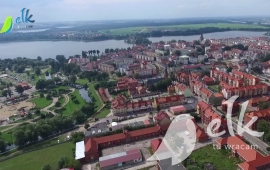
(103, 113)
(8, 111)
(82, 81)
(4, 127)
(70, 107)
(37, 159)
(133, 30)
(41, 102)
(221, 159)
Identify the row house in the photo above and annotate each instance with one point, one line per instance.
(208, 114)
(208, 80)
(246, 91)
(134, 66)
(182, 77)
(261, 114)
(125, 83)
(146, 57)
(103, 95)
(248, 79)
(120, 105)
(254, 102)
(121, 62)
(250, 158)
(211, 97)
(139, 90)
(165, 102)
(106, 67)
(78, 61)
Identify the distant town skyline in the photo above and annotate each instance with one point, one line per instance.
(87, 10)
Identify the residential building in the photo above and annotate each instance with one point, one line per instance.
(200, 134)
(125, 83)
(211, 97)
(162, 119)
(184, 59)
(120, 105)
(261, 114)
(88, 150)
(171, 89)
(176, 110)
(79, 61)
(208, 80)
(103, 94)
(254, 102)
(251, 159)
(235, 108)
(25, 86)
(169, 101)
(182, 89)
(147, 70)
(106, 67)
(119, 160)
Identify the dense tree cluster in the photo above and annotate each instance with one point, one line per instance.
(161, 85)
(263, 126)
(265, 58)
(94, 76)
(43, 128)
(65, 162)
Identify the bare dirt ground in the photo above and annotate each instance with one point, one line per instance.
(7, 111)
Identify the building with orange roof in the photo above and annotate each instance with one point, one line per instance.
(90, 150)
(208, 80)
(254, 102)
(171, 89)
(164, 102)
(121, 105)
(125, 83)
(261, 114)
(200, 134)
(251, 159)
(208, 115)
(183, 89)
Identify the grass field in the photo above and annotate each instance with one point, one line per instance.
(214, 88)
(70, 107)
(4, 127)
(82, 81)
(220, 158)
(37, 159)
(94, 94)
(41, 102)
(7, 136)
(103, 113)
(133, 30)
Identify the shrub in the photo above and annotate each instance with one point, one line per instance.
(41, 95)
(57, 104)
(37, 112)
(48, 97)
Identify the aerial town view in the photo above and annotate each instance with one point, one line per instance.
(135, 85)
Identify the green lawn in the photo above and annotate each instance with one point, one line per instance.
(37, 159)
(221, 159)
(41, 102)
(214, 88)
(61, 100)
(133, 30)
(94, 94)
(4, 127)
(82, 81)
(103, 113)
(71, 106)
(7, 136)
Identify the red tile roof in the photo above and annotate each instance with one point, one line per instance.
(169, 99)
(145, 131)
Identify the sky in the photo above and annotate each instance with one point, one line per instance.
(85, 10)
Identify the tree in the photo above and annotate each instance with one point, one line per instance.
(46, 167)
(62, 162)
(5, 93)
(41, 84)
(19, 89)
(86, 126)
(19, 138)
(111, 50)
(72, 79)
(158, 108)
(94, 51)
(263, 126)
(98, 52)
(136, 76)
(39, 58)
(46, 73)
(229, 70)
(37, 71)
(77, 137)
(48, 97)
(264, 105)
(90, 52)
(268, 149)
(61, 59)
(3, 145)
(41, 95)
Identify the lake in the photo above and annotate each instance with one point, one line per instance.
(85, 95)
(49, 49)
